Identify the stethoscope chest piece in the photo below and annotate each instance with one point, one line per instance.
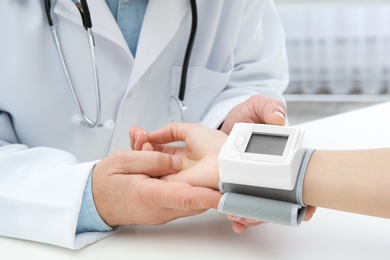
(176, 109)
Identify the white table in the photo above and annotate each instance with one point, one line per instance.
(329, 235)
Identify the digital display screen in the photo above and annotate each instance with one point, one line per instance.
(267, 144)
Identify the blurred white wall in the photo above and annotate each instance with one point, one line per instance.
(337, 47)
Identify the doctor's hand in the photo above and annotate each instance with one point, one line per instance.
(199, 156)
(127, 191)
(258, 109)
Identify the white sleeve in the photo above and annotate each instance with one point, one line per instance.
(41, 190)
(260, 62)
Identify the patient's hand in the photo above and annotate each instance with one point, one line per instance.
(199, 155)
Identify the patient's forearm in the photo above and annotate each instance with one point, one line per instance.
(353, 181)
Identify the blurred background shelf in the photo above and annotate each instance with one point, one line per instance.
(339, 55)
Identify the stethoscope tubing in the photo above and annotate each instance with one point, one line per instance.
(176, 106)
(87, 23)
(187, 57)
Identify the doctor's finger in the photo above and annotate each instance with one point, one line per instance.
(245, 221)
(238, 227)
(310, 212)
(153, 164)
(182, 196)
(265, 110)
(274, 112)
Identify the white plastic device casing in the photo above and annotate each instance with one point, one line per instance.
(237, 166)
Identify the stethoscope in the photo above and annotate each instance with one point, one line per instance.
(176, 106)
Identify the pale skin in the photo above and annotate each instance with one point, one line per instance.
(351, 181)
(126, 189)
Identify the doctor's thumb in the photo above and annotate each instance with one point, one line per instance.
(274, 114)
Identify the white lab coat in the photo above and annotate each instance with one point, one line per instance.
(45, 159)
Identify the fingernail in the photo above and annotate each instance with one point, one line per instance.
(136, 137)
(279, 114)
(176, 162)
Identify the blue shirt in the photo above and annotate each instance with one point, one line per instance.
(129, 15)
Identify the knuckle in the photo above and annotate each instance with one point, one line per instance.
(255, 99)
(161, 160)
(120, 157)
(119, 154)
(187, 203)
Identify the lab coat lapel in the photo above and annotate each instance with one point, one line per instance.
(161, 22)
(103, 23)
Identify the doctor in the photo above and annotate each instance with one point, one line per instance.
(63, 182)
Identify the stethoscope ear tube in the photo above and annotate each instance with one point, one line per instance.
(187, 57)
(85, 14)
(48, 10)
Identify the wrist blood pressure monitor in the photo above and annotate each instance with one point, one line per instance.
(261, 173)
(262, 155)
